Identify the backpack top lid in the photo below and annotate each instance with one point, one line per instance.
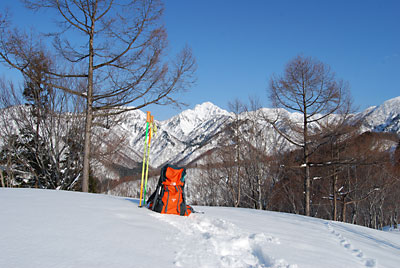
(174, 176)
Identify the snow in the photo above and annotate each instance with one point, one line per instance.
(184, 123)
(45, 228)
(384, 117)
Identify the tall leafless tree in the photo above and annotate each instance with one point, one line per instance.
(114, 49)
(308, 87)
(235, 181)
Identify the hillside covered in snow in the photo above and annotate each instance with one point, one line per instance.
(185, 137)
(48, 228)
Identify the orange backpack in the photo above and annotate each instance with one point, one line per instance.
(169, 196)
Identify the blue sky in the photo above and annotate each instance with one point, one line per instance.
(239, 44)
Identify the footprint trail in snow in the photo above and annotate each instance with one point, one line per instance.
(211, 242)
(357, 253)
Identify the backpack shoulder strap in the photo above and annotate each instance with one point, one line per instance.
(153, 197)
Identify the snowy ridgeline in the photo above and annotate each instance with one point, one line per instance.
(187, 136)
(43, 228)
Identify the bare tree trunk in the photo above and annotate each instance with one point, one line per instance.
(237, 203)
(86, 156)
(10, 174)
(89, 114)
(344, 211)
(238, 162)
(260, 205)
(334, 190)
(307, 190)
(2, 179)
(381, 214)
(334, 185)
(307, 182)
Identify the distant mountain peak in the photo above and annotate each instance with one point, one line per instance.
(384, 117)
(391, 105)
(208, 108)
(201, 112)
(185, 122)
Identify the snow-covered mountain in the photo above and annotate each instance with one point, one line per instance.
(185, 137)
(186, 134)
(48, 228)
(189, 122)
(383, 118)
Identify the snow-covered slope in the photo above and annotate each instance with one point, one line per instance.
(183, 138)
(44, 228)
(177, 137)
(201, 126)
(383, 118)
(184, 125)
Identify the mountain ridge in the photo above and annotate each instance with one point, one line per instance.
(185, 137)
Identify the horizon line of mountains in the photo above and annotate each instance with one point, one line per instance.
(184, 138)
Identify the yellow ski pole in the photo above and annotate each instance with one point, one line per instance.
(144, 156)
(152, 130)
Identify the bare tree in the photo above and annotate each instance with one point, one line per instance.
(2, 177)
(241, 163)
(213, 189)
(254, 154)
(308, 87)
(369, 176)
(235, 158)
(113, 49)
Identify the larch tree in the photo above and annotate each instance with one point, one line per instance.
(308, 87)
(114, 51)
